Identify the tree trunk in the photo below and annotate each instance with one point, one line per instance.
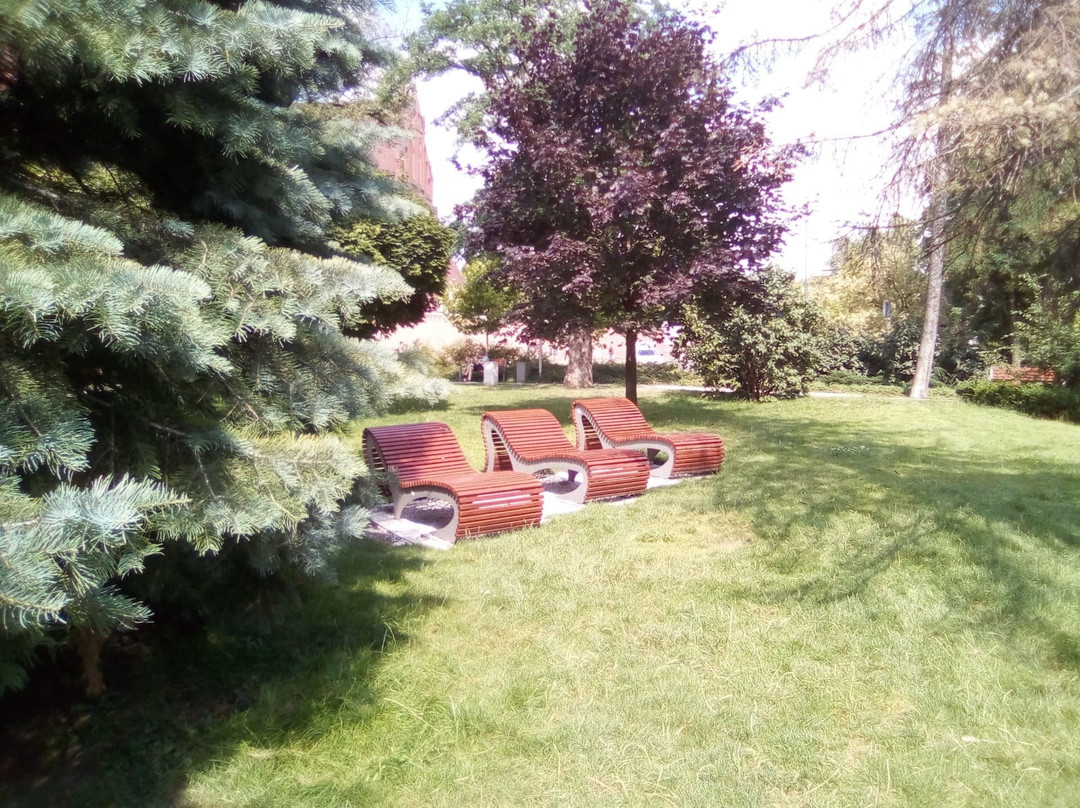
(1014, 338)
(88, 644)
(935, 280)
(631, 364)
(579, 359)
(939, 211)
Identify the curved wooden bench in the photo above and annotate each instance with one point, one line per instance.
(426, 461)
(617, 423)
(533, 440)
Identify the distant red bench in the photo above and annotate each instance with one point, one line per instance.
(617, 423)
(532, 440)
(1020, 375)
(426, 461)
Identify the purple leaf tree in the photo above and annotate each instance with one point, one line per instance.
(623, 180)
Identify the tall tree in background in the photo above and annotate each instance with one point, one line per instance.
(172, 355)
(482, 39)
(1017, 188)
(480, 305)
(622, 178)
(883, 264)
(989, 90)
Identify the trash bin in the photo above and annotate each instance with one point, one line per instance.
(491, 372)
(522, 371)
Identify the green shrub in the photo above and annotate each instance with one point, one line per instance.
(418, 247)
(647, 373)
(842, 352)
(508, 353)
(1039, 400)
(767, 347)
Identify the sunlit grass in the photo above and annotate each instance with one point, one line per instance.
(874, 603)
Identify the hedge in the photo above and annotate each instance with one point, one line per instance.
(1039, 400)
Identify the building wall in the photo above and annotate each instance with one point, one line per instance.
(408, 160)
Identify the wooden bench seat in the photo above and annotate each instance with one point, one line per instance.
(533, 440)
(426, 461)
(617, 423)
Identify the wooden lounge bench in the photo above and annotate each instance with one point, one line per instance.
(533, 440)
(425, 460)
(617, 423)
(1021, 375)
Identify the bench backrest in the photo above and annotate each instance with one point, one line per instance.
(1011, 373)
(615, 416)
(530, 431)
(414, 450)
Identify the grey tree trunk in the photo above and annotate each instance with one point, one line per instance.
(631, 365)
(1017, 347)
(939, 211)
(579, 360)
(935, 281)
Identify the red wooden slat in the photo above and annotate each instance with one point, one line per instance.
(428, 456)
(620, 423)
(535, 436)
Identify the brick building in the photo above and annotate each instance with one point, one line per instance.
(408, 160)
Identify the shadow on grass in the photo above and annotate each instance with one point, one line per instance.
(998, 538)
(179, 701)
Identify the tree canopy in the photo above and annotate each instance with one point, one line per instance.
(623, 178)
(987, 123)
(480, 305)
(419, 248)
(883, 264)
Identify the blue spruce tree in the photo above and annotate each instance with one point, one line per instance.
(175, 349)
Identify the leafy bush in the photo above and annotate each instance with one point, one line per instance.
(1053, 336)
(767, 347)
(958, 356)
(508, 353)
(892, 356)
(1039, 400)
(418, 247)
(842, 352)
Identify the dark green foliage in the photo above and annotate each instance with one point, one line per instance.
(1050, 329)
(891, 357)
(1040, 400)
(958, 355)
(843, 351)
(1014, 258)
(766, 347)
(418, 248)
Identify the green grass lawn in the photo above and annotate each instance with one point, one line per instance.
(876, 602)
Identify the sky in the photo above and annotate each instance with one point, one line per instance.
(841, 182)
